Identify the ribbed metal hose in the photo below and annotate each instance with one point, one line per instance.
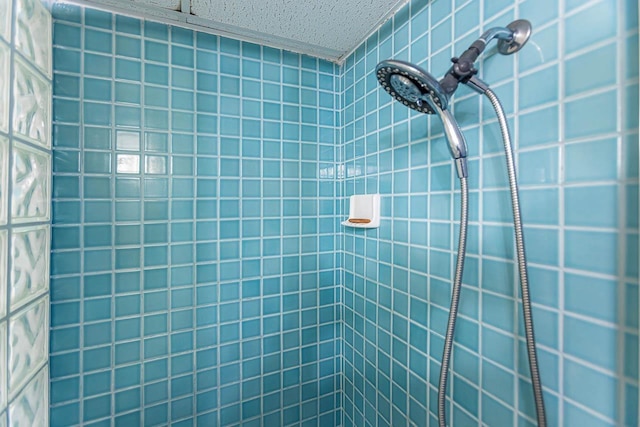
(455, 299)
(524, 279)
(522, 261)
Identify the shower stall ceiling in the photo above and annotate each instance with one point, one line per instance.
(328, 29)
(199, 271)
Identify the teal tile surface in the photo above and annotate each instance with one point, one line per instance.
(539, 88)
(594, 251)
(140, 210)
(599, 74)
(580, 209)
(570, 113)
(579, 36)
(582, 120)
(591, 161)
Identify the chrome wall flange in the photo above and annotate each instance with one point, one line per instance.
(521, 32)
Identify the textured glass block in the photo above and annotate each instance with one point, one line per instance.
(30, 178)
(4, 178)
(30, 408)
(5, 19)
(3, 366)
(4, 86)
(33, 33)
(28, 343)
(3, 275)
(29, 265)
(31, 104)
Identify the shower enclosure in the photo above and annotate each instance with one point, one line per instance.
(199, 271)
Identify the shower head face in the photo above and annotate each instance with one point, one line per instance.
(412, 86)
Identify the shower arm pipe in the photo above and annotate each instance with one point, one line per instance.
(477, 47)
(500, 33)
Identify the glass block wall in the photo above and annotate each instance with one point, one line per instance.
(572, 100)
(193, 262)
(25, 200)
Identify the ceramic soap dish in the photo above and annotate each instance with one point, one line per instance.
(364, 211)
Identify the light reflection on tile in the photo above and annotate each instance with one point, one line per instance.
(326, 171)
(128, 163)
(155, 165)
(129, 141)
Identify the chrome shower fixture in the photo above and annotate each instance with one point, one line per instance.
(510, 40)
(412, 86)
(419, 90)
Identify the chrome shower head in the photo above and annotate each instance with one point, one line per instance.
(420, 91)
(412, 86)
(417, 89)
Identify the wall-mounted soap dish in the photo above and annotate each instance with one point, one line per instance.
(364, 211)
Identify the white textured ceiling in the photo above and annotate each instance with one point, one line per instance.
(334, 26)
(329, 29)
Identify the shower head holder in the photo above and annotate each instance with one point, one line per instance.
(510, 40)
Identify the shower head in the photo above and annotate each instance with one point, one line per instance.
(412, 86)
(417, 89)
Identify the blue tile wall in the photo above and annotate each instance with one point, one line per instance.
(198, 272)
(572, 99)
(194, 274)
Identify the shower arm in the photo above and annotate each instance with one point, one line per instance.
(500, 33)
(510, 40)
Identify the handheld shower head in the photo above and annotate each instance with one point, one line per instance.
(412, 86)
(419, 90)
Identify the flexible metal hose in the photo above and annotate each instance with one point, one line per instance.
(455, 299)
(524, 279)
(522, 261)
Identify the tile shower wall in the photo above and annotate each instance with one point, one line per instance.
(572, 99)
(25, 200)
(193, 263)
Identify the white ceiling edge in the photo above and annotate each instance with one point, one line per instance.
(399, 5)
(186, 20)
